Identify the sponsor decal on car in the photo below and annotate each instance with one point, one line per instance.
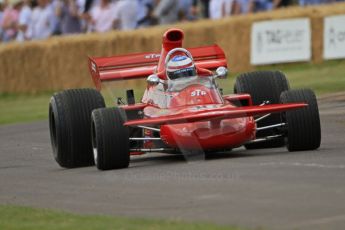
(93, 67)
(202, 107)
(198, 92)
(152, 56)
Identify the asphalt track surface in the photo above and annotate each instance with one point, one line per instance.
(273, 189)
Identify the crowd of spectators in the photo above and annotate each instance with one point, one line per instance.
(22, 20)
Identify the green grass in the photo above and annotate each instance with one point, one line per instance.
(328, 77)
(325, 78)
(25, 218)
(23, 108)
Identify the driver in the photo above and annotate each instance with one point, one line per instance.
(180, 67)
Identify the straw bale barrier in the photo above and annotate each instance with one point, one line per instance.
(61, 62)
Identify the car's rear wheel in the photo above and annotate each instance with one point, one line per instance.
(264, 86)
(303, 125)
(110, 138)
(69, 123)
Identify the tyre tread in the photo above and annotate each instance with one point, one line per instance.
(304, 129)
(112, 138)
(73, 111)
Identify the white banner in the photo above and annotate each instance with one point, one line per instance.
(280, 41)
(334, 37)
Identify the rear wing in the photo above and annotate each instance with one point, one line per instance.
(141, 65)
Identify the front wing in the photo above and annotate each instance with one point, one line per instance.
(225, 112)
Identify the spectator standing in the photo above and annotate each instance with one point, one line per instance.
(84, 7)
(42, 22)
(1, 8)
(221, 8)
(145, 10)
(188, 10)
(102, 16)
(312, 2)
(56, 7)
(281, 3)
(262, 5)
(70, 22)
(166, 11)
(205, 5)
(1, 14)
(126, 12)
(244, 6)
(10, 20)
(24, 21)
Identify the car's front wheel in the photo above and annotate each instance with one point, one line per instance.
(303, 125)
(110, 138)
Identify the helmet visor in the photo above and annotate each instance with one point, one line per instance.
(182, 73)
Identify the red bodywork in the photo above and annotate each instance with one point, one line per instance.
(196, 117)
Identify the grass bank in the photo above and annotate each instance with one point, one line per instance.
(13, 217)
(325, 78)
(23, 108)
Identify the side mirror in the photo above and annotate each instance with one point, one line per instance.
(153, 80)
(221, 72)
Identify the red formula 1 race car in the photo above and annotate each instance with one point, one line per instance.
(181, 111)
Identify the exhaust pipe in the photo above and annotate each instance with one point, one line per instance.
(172, 38)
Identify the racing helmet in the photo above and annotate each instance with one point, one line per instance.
(180, 66)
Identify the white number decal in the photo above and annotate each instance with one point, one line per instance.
(198, 92)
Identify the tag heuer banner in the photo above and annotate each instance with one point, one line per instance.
(334, 37)
(280, 41)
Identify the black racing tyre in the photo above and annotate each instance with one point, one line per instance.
(264, 86)
(110, 138)
(69, 124)
(303, 125)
